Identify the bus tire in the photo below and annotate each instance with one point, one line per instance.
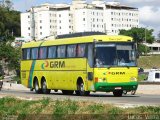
(80, 89)
(45, 90)
(133, 92)
(36, 87)
(118, 93)
(67, 92)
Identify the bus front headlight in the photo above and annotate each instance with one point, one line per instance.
(133, 79)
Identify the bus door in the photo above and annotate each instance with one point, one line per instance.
(90, 64)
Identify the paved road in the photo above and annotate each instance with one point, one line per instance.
(125, 101)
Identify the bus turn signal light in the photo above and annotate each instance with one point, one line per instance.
(96, 79)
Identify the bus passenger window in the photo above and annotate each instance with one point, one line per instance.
(61, 51)
(81, 50)
(71, 51)
(43, 53)
(90, 55)
(52, 52)
(26, 54)
(34, 54)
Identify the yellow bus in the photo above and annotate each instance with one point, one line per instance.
(82, 63)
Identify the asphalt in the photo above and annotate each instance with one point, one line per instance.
(145, 96)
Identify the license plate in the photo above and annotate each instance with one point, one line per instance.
(117, 88)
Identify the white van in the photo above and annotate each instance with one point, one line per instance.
(154, 75)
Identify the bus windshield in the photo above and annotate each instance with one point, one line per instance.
(107, 55)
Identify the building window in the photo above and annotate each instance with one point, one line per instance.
(59, 15)
(40, 21)
(157, 75)
(40, 33)
(40, 27)
(28, 16)
(28, 28)
(83, 19)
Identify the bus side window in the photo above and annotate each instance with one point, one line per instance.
(52, 52)
(61, 52)
(90, 55)
(71, 51)
(34, 54)
(26, 54)
(81, 48)
(43, 53)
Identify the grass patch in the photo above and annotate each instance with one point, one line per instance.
(142, 77)
(149, 62)
(68, 109)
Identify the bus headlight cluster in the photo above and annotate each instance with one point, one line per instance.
(133, 79)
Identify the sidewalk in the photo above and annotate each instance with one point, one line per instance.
(148, 89)
(14, 86)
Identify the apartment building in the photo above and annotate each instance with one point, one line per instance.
(80, 16)
(46, 20)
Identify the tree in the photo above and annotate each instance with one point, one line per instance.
(139, 34)
(143, 49)
(9, 28)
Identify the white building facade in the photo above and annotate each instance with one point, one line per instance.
(46, 20)
(57, 19)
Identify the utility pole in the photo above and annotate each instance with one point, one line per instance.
(145, 32)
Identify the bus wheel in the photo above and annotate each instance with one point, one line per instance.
(44, 87)
(36, 87)
(80, 90)
(124, 92)
(133, 92)
(67, 92)
(118, 93)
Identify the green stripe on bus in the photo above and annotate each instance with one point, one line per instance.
(31, 73)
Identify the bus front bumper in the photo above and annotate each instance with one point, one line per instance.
(110, 87)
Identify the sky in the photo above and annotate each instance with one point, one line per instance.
(149, 10)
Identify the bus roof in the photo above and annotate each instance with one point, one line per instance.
(76, 40)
